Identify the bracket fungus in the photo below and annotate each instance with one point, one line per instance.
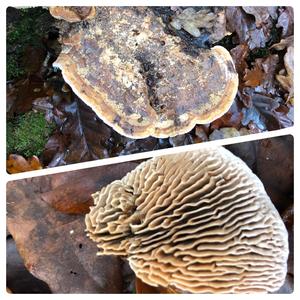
(73, 13)
(142, 81)
(199, 222)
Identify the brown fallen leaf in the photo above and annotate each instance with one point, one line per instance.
(69, 193)
(18, 279)
(53, 244)
(262, 75)
(253, 77)
(17, 163)
(20, 95)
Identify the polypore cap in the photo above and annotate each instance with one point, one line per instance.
(142, 81)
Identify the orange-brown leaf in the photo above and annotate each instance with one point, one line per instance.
(254, 77)
(17, 164)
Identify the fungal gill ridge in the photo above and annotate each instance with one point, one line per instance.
(200, 222)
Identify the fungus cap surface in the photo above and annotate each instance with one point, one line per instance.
(199, 222)
(142, 81)
(73, 13)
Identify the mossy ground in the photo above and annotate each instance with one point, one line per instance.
(28, 134)
(26, 27)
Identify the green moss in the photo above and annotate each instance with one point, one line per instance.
(27, 29)
(28, 134)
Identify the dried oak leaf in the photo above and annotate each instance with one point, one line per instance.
(254, 77)
(262, 75)
(53, 244)
(269, 66)
(232, 118)
(17, 163)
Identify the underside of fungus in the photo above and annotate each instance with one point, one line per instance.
(140, 80)
(200, 222)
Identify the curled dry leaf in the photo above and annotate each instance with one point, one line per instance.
(17, 163)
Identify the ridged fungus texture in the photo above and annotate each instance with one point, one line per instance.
(140, 80)
(199, 222)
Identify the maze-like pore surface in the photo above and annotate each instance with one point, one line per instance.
(199, 221)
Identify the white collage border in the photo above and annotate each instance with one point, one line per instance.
(6, 177)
